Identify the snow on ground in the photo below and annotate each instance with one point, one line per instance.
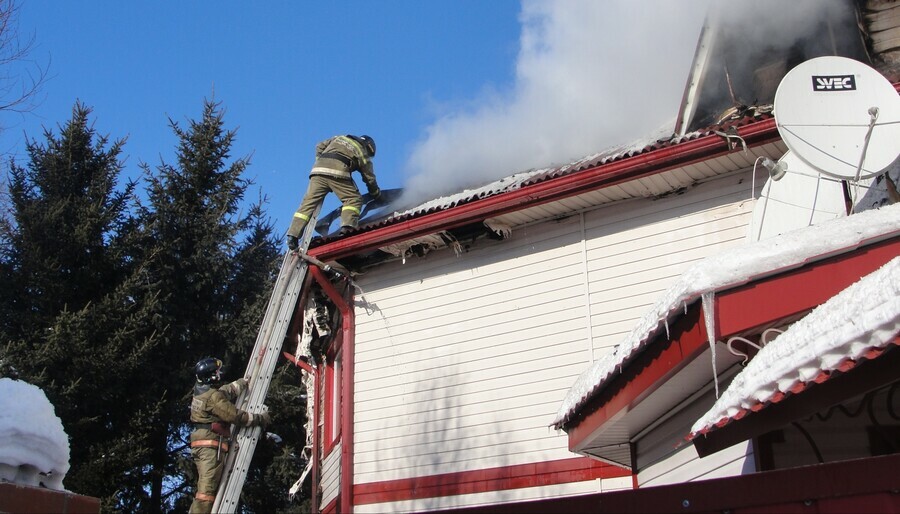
(729, 269)
(34, 447)
(866, 315)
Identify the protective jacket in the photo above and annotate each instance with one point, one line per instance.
(216, 405)
(212, 410)
(340, 156)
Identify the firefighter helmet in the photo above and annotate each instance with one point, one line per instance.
(370, 145)
(208, 370)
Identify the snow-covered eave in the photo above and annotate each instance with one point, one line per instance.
(730, 269)
(856, 325)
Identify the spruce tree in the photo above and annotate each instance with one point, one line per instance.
(66, 213)
(213, 266)
(73, 318)
(108, 302)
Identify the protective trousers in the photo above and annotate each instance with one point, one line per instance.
(319, 187)
(209, 463)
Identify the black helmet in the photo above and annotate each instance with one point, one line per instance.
(370, 144)
(208, 370)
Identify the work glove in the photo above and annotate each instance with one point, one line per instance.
(261, 419)
(293, 243)
(377, 198)
(256, 420)
(241, 385)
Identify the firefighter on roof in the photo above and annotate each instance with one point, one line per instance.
(212, 411)
(336, 159)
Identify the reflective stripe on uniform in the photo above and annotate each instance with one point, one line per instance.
(319, 170)
(205, 497)
(209, 443)
(359, 148)
(303, 217)
(349, 208)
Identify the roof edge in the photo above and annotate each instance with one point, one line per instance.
(598, 177)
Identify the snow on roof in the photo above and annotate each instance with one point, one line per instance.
(863, 317)
(730, 269)
(34, 447)
(517, 180)
(662, 137)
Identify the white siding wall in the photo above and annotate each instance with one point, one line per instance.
(462, 361)
(636, 249)
(330, 482)
(686, 466)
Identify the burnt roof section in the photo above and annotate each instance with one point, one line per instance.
(744, 51)
(535, 176)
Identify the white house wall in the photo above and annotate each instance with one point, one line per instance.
(636, 249)
(330, 482)
(686, 466)
(463, 360)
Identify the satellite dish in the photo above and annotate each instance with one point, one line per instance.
(800, 198)
(839, 116)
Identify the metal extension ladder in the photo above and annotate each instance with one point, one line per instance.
(262, 362)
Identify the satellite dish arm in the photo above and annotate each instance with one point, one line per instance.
(873, 116)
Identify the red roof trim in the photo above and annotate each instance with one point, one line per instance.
(598, 177)
(738, 310)
(852, 378)
(641, 377)
(799, 387)
(759, 302)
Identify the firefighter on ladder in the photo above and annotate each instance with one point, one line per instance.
(212, 411)
(336, 159)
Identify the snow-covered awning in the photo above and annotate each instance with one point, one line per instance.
(727, 270)
(34, 447)
(857, 324)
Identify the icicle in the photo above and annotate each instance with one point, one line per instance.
(666, 321)
(684, 305)
(709, 311)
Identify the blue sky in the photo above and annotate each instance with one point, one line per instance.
(454, 92)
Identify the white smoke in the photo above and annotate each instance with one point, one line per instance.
(589, 75)
(594, 74)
